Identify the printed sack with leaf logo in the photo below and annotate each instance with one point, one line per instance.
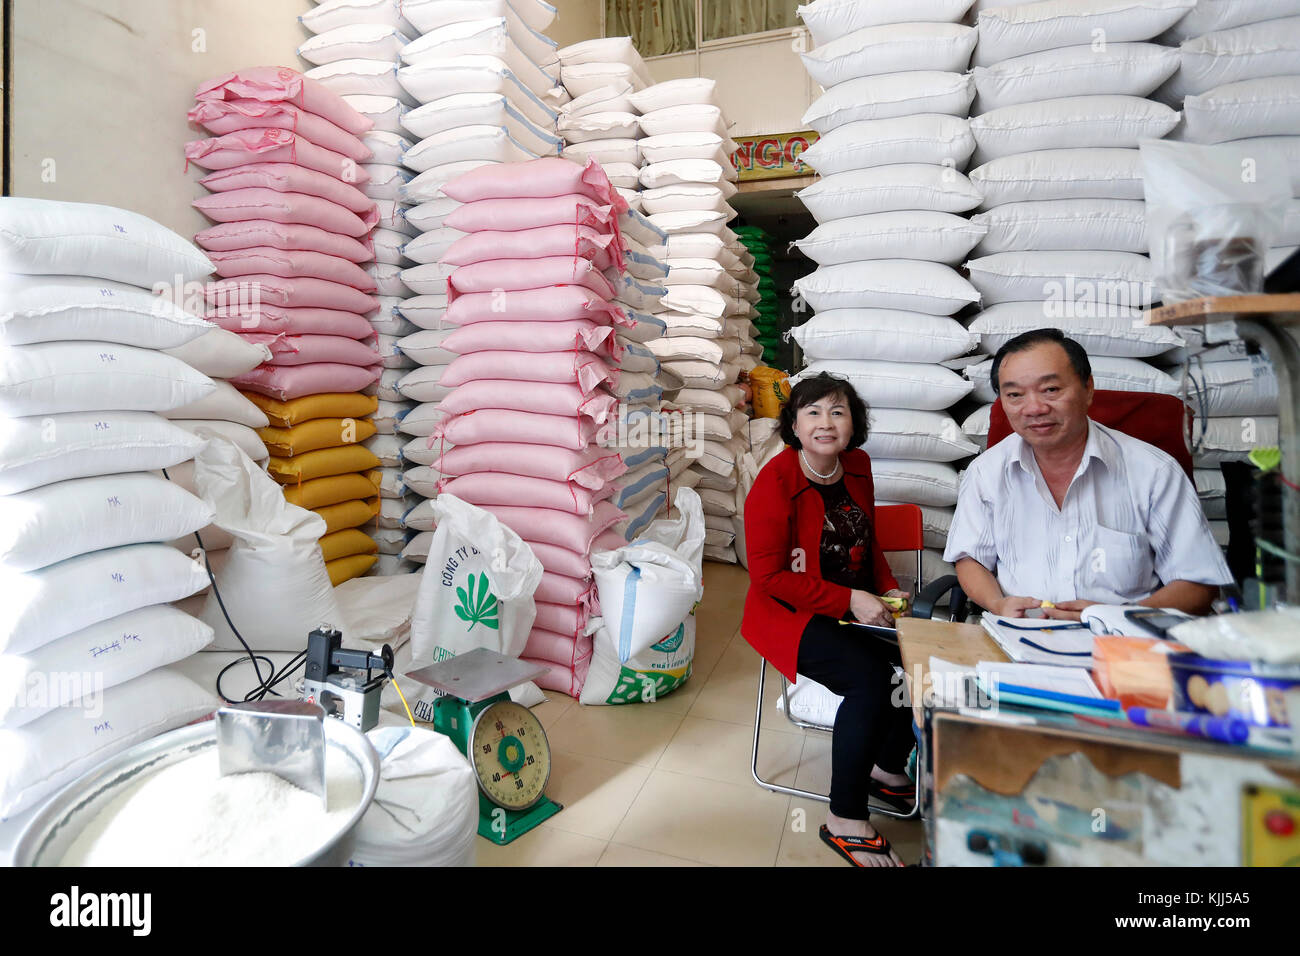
(658, 670)
(642, 649)
(476, 590)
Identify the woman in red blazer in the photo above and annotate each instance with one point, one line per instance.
(813, 561)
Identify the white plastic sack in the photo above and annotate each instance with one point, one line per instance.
(274, 584)
(427, 803)
(476, 590)
(660, 669)
(648, 587)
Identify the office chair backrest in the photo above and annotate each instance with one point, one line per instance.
(1160, 420)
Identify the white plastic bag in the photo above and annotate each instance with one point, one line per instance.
(648, 587)
(476, 590)
(1212, 214)
(273, 584)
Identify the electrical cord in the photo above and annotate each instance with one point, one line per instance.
(264, 685)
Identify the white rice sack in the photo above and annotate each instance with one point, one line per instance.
(1112, 225)
(904, 234)
(918, 435)
(896, 384)
(828, 20)
(1119, 335)
(687, 91)
(892, 48)
(1010, 31)
(45, 237)
(1092, 173)
(912, 286)
(1230, 56)
(1126, 69)
(75, 308)
(1070, 123)
(889, 188)
(1250, 108)
(891, 95)
(932, 138)
(1244, 387)
(1216, 440)
(1211, 15)
(882, 334)
(1074, 279)
(917, 482)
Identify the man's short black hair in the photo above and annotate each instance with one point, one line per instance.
(1027, 340)
(814, 389)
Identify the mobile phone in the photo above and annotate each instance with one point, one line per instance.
(1155, 621)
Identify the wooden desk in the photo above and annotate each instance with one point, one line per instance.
(918, 640)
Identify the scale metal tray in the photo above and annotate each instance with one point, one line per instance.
(477, 675)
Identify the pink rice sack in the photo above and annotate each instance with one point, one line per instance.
(545, 241)
(609, 540)
(544, 398)
(498, 424)
(285, 382)
(536, 179)
(512, 275)
(561, 560)
(296, 292)
(576, 334)
(307, 349)
(495, 488)
(230, 116)
(248, 234)
(274, 320)
(272, 146)
(510, 215)
(241, 204)
(560, 618)
(562, 589)
(561, 649)
(288, 178)
(562, 304)
(289, 263)
(579, 368)
(561, 678)
(563, 530)
(591, 468)
(278, 84)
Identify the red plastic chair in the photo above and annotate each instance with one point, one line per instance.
(897, 528)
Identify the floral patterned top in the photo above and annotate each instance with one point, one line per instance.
(846, 540)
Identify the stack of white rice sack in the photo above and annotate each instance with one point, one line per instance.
(472, 78)
(1060, 119)
(1238, 83)
(894, 139)
(600, 121)
(373, 32)
(293, 228)
(530, 385)
(86, 633)
(687, 177)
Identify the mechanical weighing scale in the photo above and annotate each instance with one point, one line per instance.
(504, 742)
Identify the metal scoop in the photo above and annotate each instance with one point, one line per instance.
(283, 737)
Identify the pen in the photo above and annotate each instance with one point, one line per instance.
(1229, 730)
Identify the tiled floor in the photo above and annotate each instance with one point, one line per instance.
(668, 784)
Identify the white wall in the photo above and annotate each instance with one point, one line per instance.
(100, 88)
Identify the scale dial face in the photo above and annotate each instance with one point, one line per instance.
(510, 754)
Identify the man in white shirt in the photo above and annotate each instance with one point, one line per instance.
(1073, 513)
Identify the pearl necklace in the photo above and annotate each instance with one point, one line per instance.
(825, 477)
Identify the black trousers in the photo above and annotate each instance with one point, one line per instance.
(869, 728)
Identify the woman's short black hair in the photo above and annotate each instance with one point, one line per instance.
(814, 389)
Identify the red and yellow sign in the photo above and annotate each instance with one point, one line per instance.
(772, 156)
